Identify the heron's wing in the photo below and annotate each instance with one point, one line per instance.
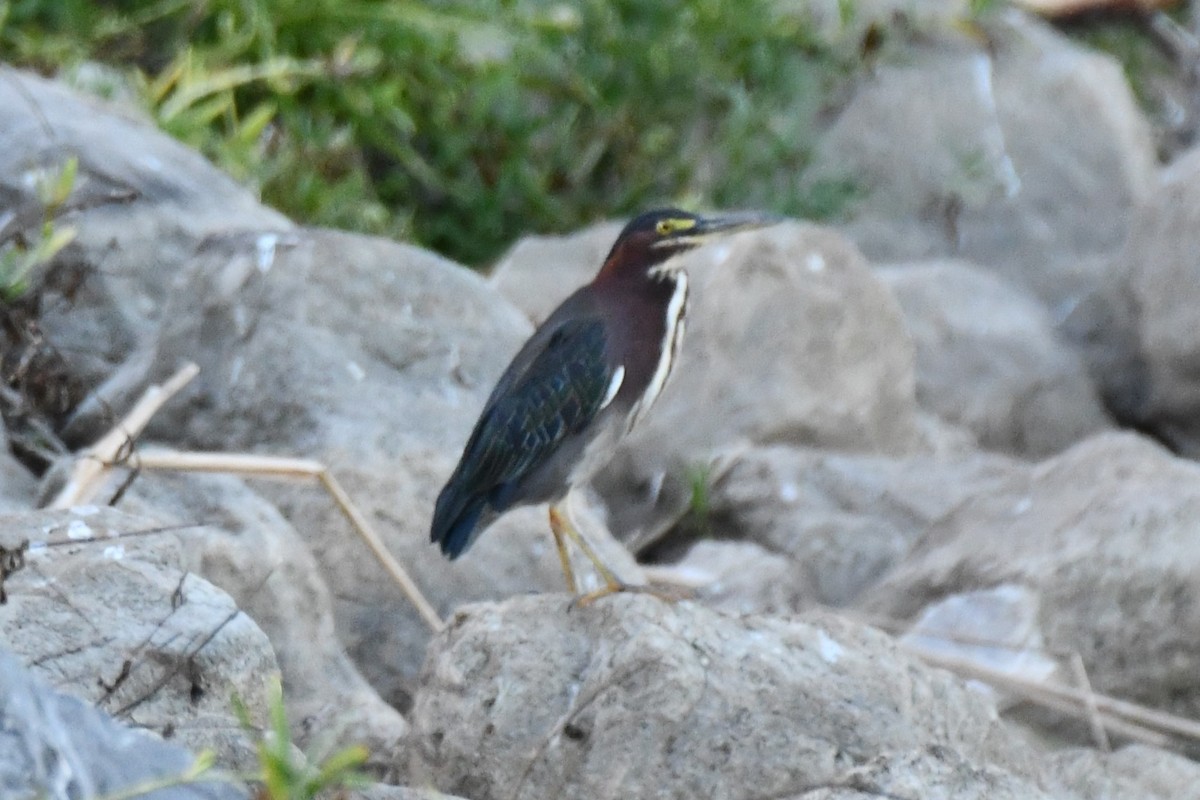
(554, 388)
(576, 310)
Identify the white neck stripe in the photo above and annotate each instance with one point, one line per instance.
(672, 339)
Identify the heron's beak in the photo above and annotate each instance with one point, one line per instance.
(708, 228)
(724, 224)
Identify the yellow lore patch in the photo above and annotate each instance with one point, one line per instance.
(666, 227)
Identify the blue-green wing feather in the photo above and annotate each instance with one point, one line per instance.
(553, 389)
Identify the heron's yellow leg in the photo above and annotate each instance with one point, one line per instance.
(567, 528)
(558, 525)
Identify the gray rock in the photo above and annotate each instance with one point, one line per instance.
(997, 628)
(538, 272)
(1102, 324)
(741, 578)
(155, 647)
(58, 747)
(637, 699)
(979, 153)
(388, 341)
(989, 359)
(841, 520)
(940, 437)
(175, 189)
(1078, 185)
(933, 773)
(634, 698)
(142, 202)
(18, 486)
(923, 140)
(1103, 536)
(249, 550)
(1159, 272)
(1136, 771)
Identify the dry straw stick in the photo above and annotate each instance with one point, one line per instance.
(273, 466)
(1099, 733)
(96, 462)
(1102, 712)
(1118, 716)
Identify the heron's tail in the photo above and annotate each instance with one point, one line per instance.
(456, 519)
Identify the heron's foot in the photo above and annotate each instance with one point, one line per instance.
(668, 594)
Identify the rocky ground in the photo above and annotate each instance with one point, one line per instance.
(953, 430)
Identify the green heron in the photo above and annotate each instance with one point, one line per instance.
(581, 382)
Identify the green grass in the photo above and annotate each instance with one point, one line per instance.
(462, 124)
(286, 774)
(22, 253)
(1130, 44)
(697, 519)
(283, 772)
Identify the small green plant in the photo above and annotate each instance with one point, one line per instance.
(21, 255)
(1133, 45)
(699, 481)
(284, 772)
(979, 8)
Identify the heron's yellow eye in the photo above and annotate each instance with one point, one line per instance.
(665, 227)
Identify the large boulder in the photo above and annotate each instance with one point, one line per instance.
(246, 547)
(57, 747)
(1155, 306)
(108, 619)
(989, 359)
(361, 343)
(1103, 539)
(839, 521)
(739, 577)
(976, 150)
(635, 698)
(1136, 772)
(18, 487)
(140, 204)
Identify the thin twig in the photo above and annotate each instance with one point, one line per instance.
(272, 466)
(95, 462)
(1148, 724)
(168, 676)
(1120, 716)
(1089, 696)
(398, 573)
(110, 537)
(1104, 713)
